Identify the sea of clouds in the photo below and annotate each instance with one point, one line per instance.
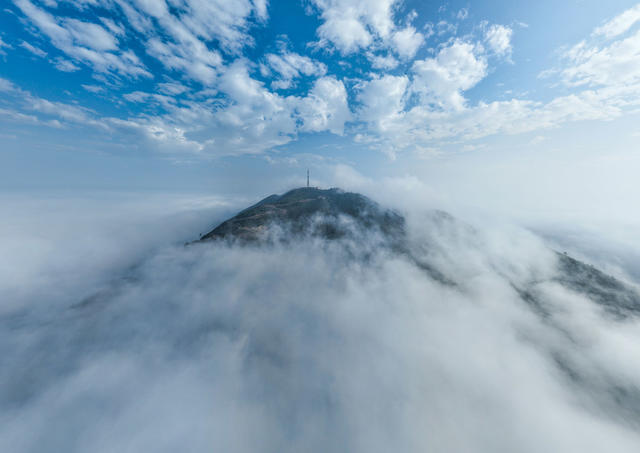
(115, 336)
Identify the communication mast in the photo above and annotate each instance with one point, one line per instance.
(307, 178)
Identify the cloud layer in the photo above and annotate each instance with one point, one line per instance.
(309, 347)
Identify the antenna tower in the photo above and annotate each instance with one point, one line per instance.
(307, 178)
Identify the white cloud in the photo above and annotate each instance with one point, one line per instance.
(421, 125)
(19, 117)
(617, 63)
(498, 37)
(168, 102)
(172, 88)
(407, 41)
(248, 120)
(619, 24)
(65, 65)
(90, 35)
(65, 112)
(179, 37)
(398, 121)
(3, 45)
(115, 28)
(268, 119)
(29, 108)
(351, 25)
(85, 42)
(325, 108)
(193, 59)
(385, 62)
(442, 79)
(93, 88)
(347, 34)
(290, 65)
(34, 50)
(225, 21)
(382, 101)
(444, 28)
(195, 22)
(189, 26)
(158, 133)
(260, 8)
(6, 85)
(436, 364)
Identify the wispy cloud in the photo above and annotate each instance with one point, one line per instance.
(619, 24)
(84, 42)
(289, 66)
(34, 50)
(3, 45)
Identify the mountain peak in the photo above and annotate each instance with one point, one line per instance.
(298, 208)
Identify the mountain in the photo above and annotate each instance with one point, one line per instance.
(333, 214)
(324, 213)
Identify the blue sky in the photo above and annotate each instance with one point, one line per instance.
(243, 96)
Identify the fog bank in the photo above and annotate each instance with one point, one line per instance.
(116, 337)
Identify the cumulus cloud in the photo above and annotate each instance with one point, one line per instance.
(353, 25)
(300, 348)
(250, 120)
(498, 38)
(442, 79)
(397, 122)
(382, 100)
(407, 41)
(325, 108)
(606, 72)
(384, 62)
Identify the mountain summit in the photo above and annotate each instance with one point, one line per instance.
(329, 213)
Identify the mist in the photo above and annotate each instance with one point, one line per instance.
(115, 336)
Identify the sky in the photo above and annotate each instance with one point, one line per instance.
(517, 106)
